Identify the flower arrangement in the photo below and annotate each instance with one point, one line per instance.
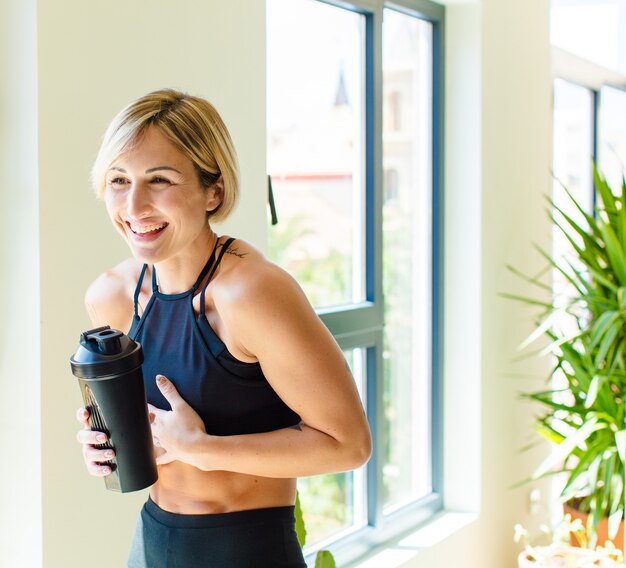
(559, 552)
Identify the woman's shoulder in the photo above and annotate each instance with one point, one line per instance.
(246, 269)
(109, 298)
(248, 278)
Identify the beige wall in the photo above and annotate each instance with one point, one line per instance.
(93, 58)
(498, 161)
(90, 59)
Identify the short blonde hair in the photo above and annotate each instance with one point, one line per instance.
(192, 124)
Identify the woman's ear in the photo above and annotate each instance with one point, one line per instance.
(215, 195)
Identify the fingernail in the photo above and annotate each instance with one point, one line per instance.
(108, 454)
(101, 437)
(160, 379)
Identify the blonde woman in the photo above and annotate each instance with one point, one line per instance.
(247, 389)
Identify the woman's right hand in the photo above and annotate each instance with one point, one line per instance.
(95, 458)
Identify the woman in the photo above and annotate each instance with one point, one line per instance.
(247, 389)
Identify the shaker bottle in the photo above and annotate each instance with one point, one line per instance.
(107, 364)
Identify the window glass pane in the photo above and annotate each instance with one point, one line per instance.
(591, 29)
(612, 135)
(572, 152)
(315, 146)
(334, 504)
(407, 261)
(572, 166)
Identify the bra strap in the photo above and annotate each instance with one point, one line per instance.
(215, 265)
(207, 267)
(155, 286)
(138, 290)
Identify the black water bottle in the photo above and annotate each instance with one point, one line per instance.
(107, 364)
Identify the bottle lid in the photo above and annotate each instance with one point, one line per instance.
(104, 352)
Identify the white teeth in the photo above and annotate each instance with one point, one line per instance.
(147, 228)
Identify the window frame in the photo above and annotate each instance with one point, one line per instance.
(360, 325)
(583, 73)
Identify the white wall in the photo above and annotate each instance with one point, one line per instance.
(20, 417)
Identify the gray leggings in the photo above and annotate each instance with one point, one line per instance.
(259, 538)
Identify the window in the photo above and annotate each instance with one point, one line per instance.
(407, 259)
(612, 134)
(589, 125)
(354, 158)
(573, 150)
(315, 147)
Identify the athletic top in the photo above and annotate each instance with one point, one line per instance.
(231, 396)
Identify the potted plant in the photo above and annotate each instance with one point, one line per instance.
(582, 409)
(559, 553)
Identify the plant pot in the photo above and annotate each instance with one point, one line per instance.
(562, 556)
(603, 527)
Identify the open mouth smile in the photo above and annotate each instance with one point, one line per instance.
(146, 230)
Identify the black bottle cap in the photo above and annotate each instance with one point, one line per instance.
(104, 352)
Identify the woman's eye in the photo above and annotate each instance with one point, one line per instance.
(117, 181)
(159, 180)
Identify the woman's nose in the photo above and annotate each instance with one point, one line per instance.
(138, 200)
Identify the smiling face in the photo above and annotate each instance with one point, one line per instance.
(156, 202)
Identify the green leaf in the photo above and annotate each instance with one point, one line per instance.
(588, 218)
(534, 280)
(526, 300)
(594, 387)
(615, 252)
(300, 528)
(565, 448)
(592, 453)
(590, 251)
(616, 510)
(551, 403)
(597, 275)
(600, 327)
(553, 347)
(544, 326)
(621, 298)
(550, 434)
(604, 192)
(614, 521)
(560, 269)
(607, 342)
(620, 443)
(603, 491)
(324, 559)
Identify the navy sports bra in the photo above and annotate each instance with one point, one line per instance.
(231, 396)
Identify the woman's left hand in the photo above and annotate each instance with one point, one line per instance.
(176, 430)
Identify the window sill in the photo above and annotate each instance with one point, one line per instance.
(398, 552)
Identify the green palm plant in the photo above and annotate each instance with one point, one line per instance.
(582, 411)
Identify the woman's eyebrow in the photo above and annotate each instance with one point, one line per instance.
(162, 168)
(148, 171)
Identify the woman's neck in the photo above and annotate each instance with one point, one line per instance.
(180, 272)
